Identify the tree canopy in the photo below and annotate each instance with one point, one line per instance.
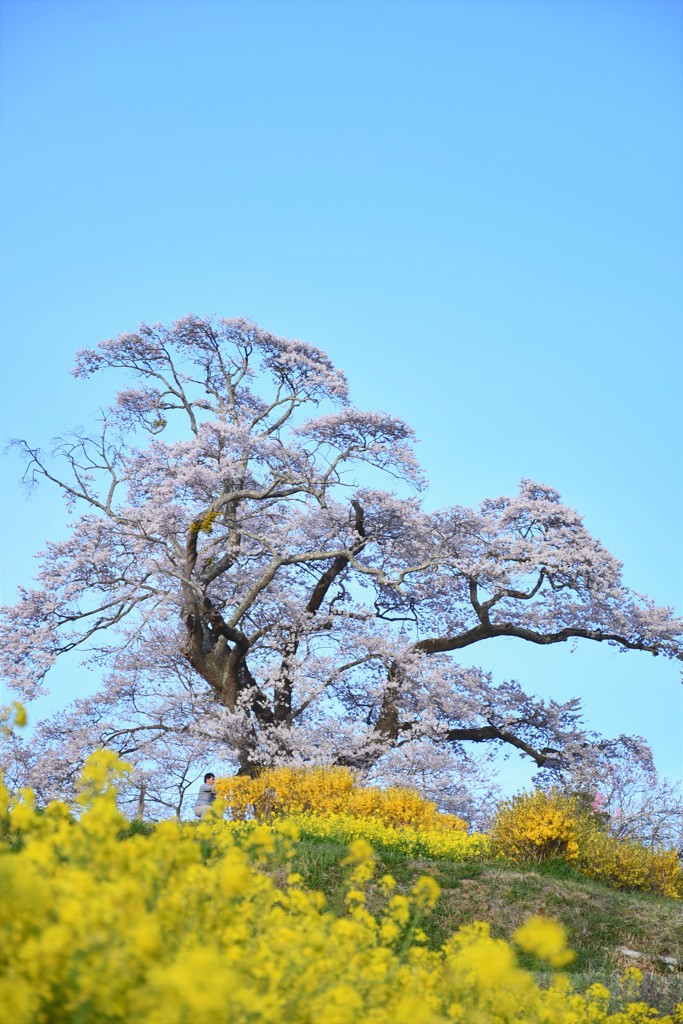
(252, 565)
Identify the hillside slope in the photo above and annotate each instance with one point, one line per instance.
(601, 922)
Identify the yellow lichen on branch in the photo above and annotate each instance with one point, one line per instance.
(205, 524)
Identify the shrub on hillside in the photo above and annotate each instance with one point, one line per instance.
(534, 827)
(627, 864)
(280, 791)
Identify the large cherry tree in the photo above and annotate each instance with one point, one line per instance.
(253, 571)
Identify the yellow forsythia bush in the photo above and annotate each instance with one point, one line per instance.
(533, 827)
(329, 790)
(623, 863)
(185, 926)
(538, 826)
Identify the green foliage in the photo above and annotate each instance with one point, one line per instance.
(137, 827)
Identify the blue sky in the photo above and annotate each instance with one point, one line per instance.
(475, 207)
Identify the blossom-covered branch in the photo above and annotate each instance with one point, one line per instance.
(237, 522)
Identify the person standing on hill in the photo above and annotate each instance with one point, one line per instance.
(206, 795)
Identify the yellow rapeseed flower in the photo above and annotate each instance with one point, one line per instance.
(546, 940)
(185, 926)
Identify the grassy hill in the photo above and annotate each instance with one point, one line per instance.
(600, 921)
(296, 919)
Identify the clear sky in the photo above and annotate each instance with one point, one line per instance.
(475, 207)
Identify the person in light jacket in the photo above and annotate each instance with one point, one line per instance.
(206, 795)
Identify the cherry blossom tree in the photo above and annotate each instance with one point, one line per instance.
(643, 805)
(627, 793)
(252, 568)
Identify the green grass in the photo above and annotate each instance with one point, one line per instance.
(599, 920)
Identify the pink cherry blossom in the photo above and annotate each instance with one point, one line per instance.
(252, 570)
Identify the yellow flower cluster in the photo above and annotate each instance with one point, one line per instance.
(534, 827)
(546, 940)
(12, 716)
(330, 790)
(204, 525)
(625, 864)
(185, 927)
(414, 842)
(537, 826)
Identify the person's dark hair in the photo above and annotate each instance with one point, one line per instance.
(209, 775)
